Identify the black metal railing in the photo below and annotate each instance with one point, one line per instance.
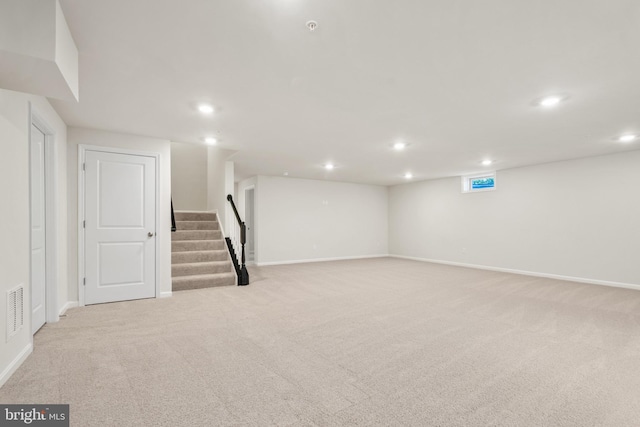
(243, 274)
(173, 217)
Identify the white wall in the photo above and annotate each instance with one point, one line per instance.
(239, 198)
(37, 50)
(189, 176)
(14, 215)
(229, 188)
(216, 182)
(78, 136)
(28, 28)
(240, 193)
(300, 219)
(579, 219)
(66, 53)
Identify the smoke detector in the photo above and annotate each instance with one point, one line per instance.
(312, 25)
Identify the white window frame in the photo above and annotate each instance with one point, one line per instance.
(466, 182)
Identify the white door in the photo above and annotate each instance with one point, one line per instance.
(120, 228)
(38, 231)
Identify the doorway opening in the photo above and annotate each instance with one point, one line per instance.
(43, 225)
(249, 217)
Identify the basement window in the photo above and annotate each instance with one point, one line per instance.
(479, 182)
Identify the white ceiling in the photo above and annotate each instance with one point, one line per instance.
(455, 79)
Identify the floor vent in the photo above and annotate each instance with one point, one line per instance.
(15, 311)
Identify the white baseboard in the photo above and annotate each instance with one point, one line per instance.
(15, 363)
(302, 261)
(526, 273)
(188, 211)
(166, 294)
(67, 306)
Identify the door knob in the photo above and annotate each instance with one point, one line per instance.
(150, 234)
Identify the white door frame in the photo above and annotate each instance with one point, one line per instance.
(51, 215)
(82, 149)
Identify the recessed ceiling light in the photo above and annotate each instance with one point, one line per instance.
(487, 162)
(629, 137)
(286, 174)
(210, 140)
(399, 146)
(408, 175)
(205, 108)
(550, 101)
(329, 166)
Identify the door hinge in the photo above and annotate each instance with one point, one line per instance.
(84, 224)
(84, 166)
(84, 281)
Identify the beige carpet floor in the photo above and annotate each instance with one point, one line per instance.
(384, 342)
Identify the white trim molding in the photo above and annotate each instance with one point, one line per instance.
(166, 294)
(15, 363)
(526, 273)
(51, 215)
(67, 306)
(302, 261)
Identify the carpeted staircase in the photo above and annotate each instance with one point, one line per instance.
(199, 256)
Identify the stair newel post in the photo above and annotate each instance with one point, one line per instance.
(244, 274)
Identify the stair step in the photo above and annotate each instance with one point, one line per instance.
(197, 245)
(195, 216)
(197, 225)
(198, 256)
(198, 268)
(203, 281)
(196, 235)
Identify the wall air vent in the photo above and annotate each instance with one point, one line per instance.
(15, 310)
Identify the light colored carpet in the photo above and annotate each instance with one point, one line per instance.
(369, 342)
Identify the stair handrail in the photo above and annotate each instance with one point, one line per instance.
(173, 218)
(243, 275)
